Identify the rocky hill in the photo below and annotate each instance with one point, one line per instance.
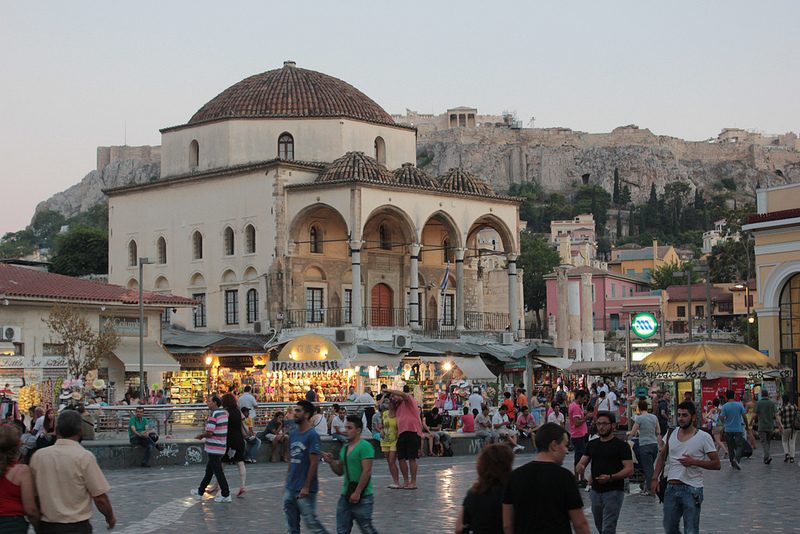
(561, 159)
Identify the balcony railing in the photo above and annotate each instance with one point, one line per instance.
(435, 328)
(486, 321)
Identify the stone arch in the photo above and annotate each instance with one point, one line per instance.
(161, 250)
(161, 284)
(380, 150)
(327, 220)
(228, 277)
(133, 284)
(197, 280)
(194, 154)
(228, 241)
(314, 273)
(250, 274)
(133, 253)
(197, 245)
(489, 220)
(771, 294)
(448, 224)
(396, 221)
(250, 239)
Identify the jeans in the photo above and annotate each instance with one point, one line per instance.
(440, 436)
(149, 443)
(489, 436)
(369, 412)
(361, 513)
(789, 441)
(735, 442)
(214, 468)
(253, 447)
(647, 456)
(606, 507)
(766, 439)
(684, 501)
(81, 527)
(294, 509)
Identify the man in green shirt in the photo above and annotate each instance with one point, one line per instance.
(139, 434)
(355, 463)
(766, 420)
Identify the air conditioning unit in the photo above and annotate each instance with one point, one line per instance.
(401, 341)
(12, 333)
(347, 336)
(508, 338)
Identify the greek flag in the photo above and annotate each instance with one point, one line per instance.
(445, 279)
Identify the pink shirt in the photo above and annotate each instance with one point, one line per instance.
(576, 410)
(469, 422)
(408, 416)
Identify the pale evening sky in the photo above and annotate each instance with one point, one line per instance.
(78, 75)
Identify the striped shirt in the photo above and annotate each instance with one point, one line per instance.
(217, 424)
(786, 414)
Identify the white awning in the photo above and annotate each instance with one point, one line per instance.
(558, 363)
(7, 348)
(374, 358)
(155, 356)
(473, 368)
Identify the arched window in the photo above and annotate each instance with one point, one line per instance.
(252, 306)
(250, 239)
(315, 240)
(380, 150)
(286, 146)
(161, 250)
(133, 255)
(197, 245)
(228, 244)
(194, 154)
(447, 252)
(790, 316)
(384, 236)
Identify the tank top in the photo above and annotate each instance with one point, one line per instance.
(10, 498)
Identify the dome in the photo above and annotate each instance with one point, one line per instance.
(292, 92)
(409, 174)
(461, 181)
(356, 167)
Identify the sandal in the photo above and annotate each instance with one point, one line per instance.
(410, 487)
(241, 492)
(394, 486)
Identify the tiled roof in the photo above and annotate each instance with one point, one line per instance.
(409, 174)
(773, 216)
(645, 253)
(356, 167)
(30, 283)
(291, 92)
(463, 181)
(680, 293)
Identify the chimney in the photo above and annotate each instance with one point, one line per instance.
(289, 63)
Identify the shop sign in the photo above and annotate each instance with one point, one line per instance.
(310, 347)
(58, 362)
(12, 362)
(644, 325)
(308, 365)
(192, 361)
(235, 362)
(123, 326)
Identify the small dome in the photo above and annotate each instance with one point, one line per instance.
(292, 92)
(356, 167)
(409, 174)
(462, 181)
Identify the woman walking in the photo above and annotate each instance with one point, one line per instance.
(17, 499)
(646, 427)
(235, 441)
(389, 440)
(482, 509)
(717, 428)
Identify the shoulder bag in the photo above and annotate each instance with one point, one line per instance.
(796, 418)
(662, 482)
(351, 485)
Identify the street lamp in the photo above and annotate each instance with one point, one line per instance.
(142, 388)
(750, 320)
(688, 274)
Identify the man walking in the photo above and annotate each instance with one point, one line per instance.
(216, 436)
(409, 439)
(612, 463)
(732, 414)
(662, 411)
(355, 463)
(578, 431)
(541, 497)
(67, 480)
(766, 411)
(690, 450)
(300, 493)
(787, 415)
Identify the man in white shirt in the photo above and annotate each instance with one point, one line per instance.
(369, 411)
(602, 386)
(688, 451)
(502, 426)
(338, 424)
(247, 400)
(612, 399)
(352, 396)
(475, 400)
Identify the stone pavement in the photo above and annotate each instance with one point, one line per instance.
(759, 498)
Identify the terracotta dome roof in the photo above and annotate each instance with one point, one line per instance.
(409, 174)
(462, 181)
(291, 92)
(356, 167)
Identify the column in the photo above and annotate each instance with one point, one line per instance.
(460, 288)
(562, 319)
(413, 298)
(357, 312)
(574, 310)
(513, 293)
(587, 325)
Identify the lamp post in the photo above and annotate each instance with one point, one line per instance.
(688, 274)
(142, 388)
(750, 320)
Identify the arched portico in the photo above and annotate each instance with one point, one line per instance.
(319, 230)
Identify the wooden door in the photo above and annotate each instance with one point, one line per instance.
(381, 305)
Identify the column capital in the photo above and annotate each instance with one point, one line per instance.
(414, 249)
(586, 278)
(355, 245)
(460, 252)
(512, 256)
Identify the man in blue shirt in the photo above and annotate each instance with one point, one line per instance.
(300, 493)
(732, 414)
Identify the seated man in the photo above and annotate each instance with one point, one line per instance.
(338, 424)
(526, 425)
(441, 439)
(252, 443)
(483, 426)
(502, 426)
(468, 420)
(277, 434)
(140, 433)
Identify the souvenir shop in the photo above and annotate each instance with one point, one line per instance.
(437, 377)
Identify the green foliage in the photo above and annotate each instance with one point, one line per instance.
(616, 195)
(728, 183)
(423, 159)
(732, 261)
(595, 200)
(625, 196)
(664, 276)
(17, 244)
(45, 226)
(82, 250)
(537, 258)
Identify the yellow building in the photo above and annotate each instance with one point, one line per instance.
(776, 229)
(641, 262)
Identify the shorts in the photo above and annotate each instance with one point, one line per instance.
(408, 444)
(389, 446)
(234, 455)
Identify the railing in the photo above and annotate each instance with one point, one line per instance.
(486, 321)
(322, 317)
(386, 317)
(436, 329)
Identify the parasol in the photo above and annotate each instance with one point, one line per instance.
(707, 360)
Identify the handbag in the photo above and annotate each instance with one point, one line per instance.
(796, 419)
(662, 482)
(351, 486)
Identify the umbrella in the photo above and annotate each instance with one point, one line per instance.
(707, 360)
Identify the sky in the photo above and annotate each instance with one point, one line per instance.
(78, 75)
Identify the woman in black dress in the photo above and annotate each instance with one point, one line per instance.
(482, 510)
(235, 441)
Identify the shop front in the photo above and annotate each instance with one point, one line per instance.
(437, 377)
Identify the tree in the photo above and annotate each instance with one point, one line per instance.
(537, 258)
(732, 261)
(45, 226)
(616, 195)
(81, 251)
(82, 346)
(625, 196)
(663, 277)
(595, 200)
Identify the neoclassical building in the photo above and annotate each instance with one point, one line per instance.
(291, 200)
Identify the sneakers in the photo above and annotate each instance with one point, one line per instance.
(223, 499)
(768, 461)
(518, 448)
(195, 493)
